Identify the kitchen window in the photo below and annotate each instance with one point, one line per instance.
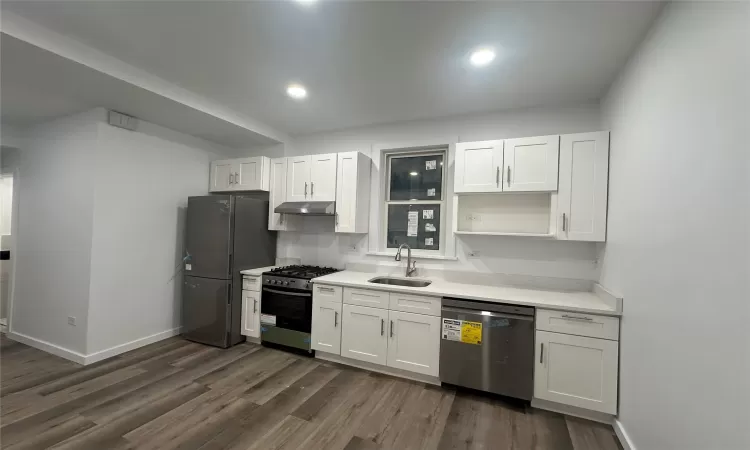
(415, 192)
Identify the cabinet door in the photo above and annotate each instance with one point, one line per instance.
(479, 167)
(577, 371)
(248, 174)
(363, 334)
(346, 192)
(297, 178)
(221, 175)
(530, 164)
(277, 195)
(323, 177)
(582, 197)
(326, 326)
(414, 342)
(251, 313)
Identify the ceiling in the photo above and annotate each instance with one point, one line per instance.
(362, 62)
(38, 85)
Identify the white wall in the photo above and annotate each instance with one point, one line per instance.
(100, 232)
(141, 195)
(678, 237)
(521, 256)
(53, 247)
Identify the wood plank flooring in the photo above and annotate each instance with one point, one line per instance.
(180, 395)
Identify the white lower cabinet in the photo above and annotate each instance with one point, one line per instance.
(414, 342)
(251, 313)
(374, 334)
(577, 371)
(363, 334)
(326, 326)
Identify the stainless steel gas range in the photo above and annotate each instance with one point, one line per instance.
(286, 305)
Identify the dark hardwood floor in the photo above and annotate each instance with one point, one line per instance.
(178, 394)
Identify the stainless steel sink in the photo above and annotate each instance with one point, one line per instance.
(400, 281)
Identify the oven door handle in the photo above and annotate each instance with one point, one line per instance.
(296, 294)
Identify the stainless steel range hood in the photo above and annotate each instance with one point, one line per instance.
(307, 208)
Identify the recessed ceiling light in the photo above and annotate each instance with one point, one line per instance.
(414, 174)
(296, 91)
(482, 57)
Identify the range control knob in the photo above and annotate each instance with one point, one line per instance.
(286, 283)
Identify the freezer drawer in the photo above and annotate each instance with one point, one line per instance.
(484, 347)
(206, 311)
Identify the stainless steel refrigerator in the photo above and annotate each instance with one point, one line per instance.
(225, 234)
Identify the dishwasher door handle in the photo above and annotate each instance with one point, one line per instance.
(479, 314)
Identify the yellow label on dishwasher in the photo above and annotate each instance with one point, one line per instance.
(471, 332)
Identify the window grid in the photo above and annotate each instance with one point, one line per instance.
(442, 152)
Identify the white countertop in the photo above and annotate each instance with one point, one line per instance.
(258, 271)
(585, 302)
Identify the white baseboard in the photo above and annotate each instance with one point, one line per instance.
(48, 347)
(596, 416)
(625, 441)
(93, 357)
(377, 368)
(132, 345)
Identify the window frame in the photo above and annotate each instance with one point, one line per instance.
(377, 237)
(408, 153)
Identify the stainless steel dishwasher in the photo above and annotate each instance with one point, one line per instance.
(488, 346)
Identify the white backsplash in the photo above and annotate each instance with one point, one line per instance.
(528, 262)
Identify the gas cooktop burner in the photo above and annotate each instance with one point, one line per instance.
(304, 272)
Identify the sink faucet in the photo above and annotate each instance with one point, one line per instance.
(410, 267)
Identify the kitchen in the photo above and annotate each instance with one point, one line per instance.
(502, 271)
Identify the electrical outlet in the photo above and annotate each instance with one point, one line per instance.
(474, 254)
(71, 320)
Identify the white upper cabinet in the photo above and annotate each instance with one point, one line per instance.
(530, 164)
(582, 196)
(311, 178)
(478, 167)
(577, 371)
(297, 178)
(277, 196)
(352, 192)
(323, 177)
(251, 174)
(222, 176)
(243, 174)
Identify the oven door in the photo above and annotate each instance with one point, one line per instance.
(290, 309)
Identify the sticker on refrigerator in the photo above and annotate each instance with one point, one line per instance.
(428, 227)
(430, 165)
(431, 192)
(429, 241)
(268, 319)
(471, 332)
(428, 214)
(188, 267)
(452, 330)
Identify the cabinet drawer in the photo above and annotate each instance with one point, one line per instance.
(414, 304)
(327, 292)
(366, 297)
(580, 324)
(251, 283)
